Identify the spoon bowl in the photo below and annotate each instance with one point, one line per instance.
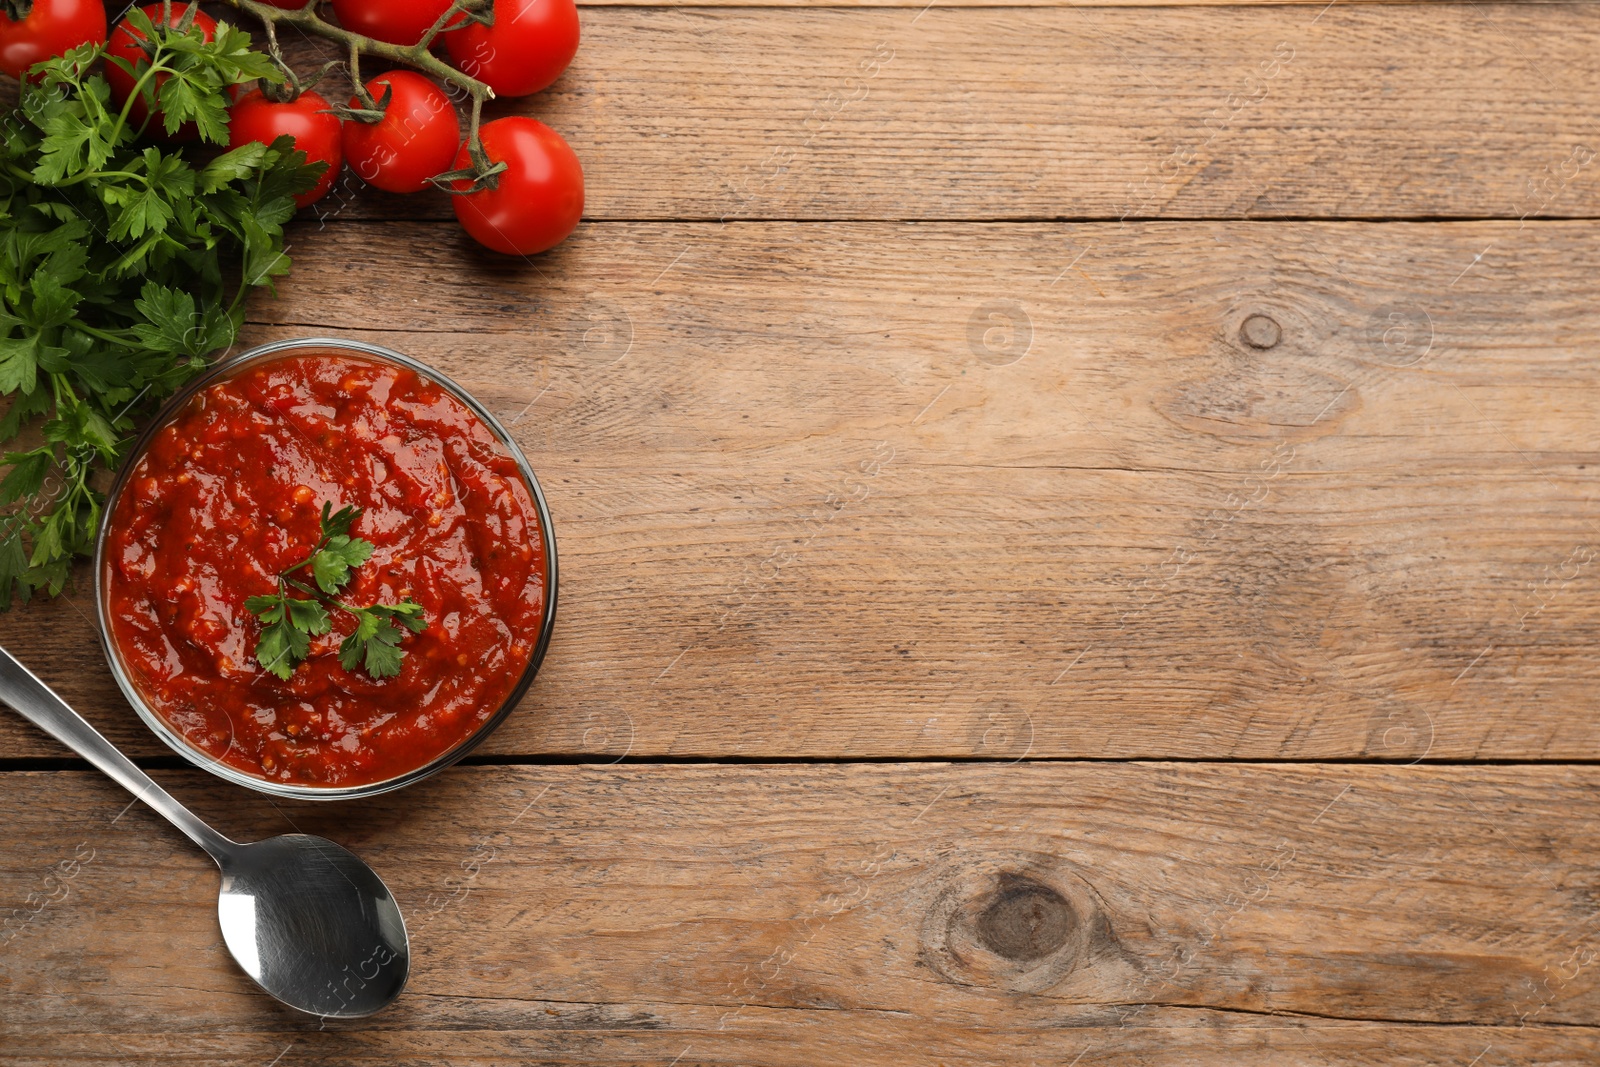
(313, 925)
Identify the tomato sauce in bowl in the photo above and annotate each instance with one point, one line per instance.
(227, 490)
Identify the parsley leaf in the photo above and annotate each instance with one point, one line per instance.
(283, 647)
(338, 523)
(26, 476)
(332, 564)
(408, 613)
(383, 654)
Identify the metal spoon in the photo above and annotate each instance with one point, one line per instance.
(311, 923)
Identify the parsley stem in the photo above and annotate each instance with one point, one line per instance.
(328, 599)
(86, 176)
(304, 588)
(245, 285)
(104, 335)
(322, 542)
(138, 91)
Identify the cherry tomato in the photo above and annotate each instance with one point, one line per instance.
(539, 197)
(125, 45)
(416, 138)
(527, 48)
(316, 133)
(52, 28)
(396, 21)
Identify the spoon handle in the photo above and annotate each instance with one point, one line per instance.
(39, 704)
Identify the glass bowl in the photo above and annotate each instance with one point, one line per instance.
(226, 368)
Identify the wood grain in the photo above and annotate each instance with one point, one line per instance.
(917, 5)
(1356, 111)
(873, 915)
(1146, 537)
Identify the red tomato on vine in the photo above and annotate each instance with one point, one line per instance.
(527, 48)
(124, 45)
(305, 119)
(396, 21)
(416, 138)
(52, 28)
(535, 202)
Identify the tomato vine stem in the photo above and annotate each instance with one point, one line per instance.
(418, 56)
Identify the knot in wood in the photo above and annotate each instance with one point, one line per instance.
(1026, 920)
(1018, 921)
(1261, 331)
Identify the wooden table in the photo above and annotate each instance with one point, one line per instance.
(1078, 547)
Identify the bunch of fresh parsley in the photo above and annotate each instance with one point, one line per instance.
(288, 623)
(122, 266)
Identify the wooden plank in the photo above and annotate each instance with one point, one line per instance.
(1143, 538)
(917, 5)
(863, 914)
(949, 112)
(1020, 113)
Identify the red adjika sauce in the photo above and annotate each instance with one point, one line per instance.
(230, 492)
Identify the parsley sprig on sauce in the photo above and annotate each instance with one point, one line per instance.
(290, 622)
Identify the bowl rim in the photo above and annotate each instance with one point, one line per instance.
(226, 367)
